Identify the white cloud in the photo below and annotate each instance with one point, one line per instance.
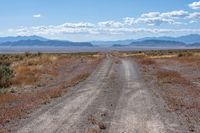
(195, 5)
(194, 16)
(158, 18)
(66, 28)
(77, 25)
(37, 16)
(110, 24)
(96, 29)
(128, 25)
(150, 15)
(174, 14)
(129, 21)
(155, 21)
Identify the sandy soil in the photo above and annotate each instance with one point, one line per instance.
(114, 99)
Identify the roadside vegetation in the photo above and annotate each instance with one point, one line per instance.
(5, 75)
(174, 76)
(29, 80)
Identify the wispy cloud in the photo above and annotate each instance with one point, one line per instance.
(158, 18)
(92, 29)
(195, 5)
(37, 16)
(110, 24)
(194, 16)
(172, 14)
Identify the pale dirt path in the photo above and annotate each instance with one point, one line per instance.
(139, 110)
(112, 100)
(135, 112)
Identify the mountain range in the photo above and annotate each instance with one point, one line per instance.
(19, 38)
(192, 40)
(154, 43)
(182, 40)
(39, 41)
(188, 39)
(47, 43)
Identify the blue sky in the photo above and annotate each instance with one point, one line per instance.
(86, 20)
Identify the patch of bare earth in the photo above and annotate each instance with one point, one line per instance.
(176, 80)
(39, 79)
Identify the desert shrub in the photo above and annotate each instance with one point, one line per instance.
(183, 54)
(5, 74)
(27, 54)
(39, 54)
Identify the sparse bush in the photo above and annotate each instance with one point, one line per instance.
(5, 74)
(27, 54)
(183, 54)
(39, 53)
(180, 55)
(147, 62)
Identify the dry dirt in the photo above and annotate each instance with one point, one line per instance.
(114, 99)
(175, 80)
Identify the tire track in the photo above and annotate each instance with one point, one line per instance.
(98, 115)
(135, 112)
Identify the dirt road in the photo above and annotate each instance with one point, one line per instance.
(112, 100)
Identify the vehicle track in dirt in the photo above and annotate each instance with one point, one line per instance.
(112, 100)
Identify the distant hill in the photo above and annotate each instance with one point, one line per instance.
(157, 43)
(192, 40)
(189, 39)
(46, 43)
(153, 43)
(19, 38)
(194, 45)
(110, 43)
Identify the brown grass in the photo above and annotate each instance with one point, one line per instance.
(24, 75)
(30, 71)
(147, 61)
(193, 60)
(171, 77)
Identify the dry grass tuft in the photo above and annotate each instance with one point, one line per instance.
(25, 75)
(171, 77)
(147, 61)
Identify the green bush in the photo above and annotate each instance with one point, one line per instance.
(5, 74)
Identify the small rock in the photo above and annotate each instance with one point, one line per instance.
(103, 114)
(13, 91)
(102, 126)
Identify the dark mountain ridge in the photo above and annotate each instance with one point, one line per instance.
(46, 43)
(19, 38)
